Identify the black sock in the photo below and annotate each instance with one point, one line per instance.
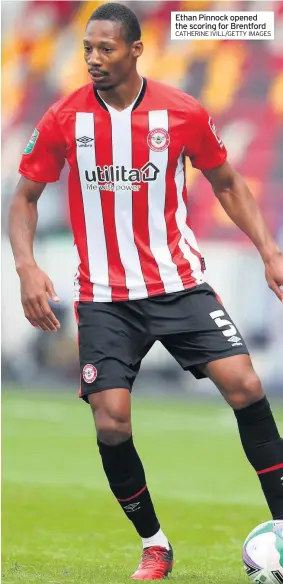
(264, 449)
(126, 477)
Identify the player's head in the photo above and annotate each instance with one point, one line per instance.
(112, 45)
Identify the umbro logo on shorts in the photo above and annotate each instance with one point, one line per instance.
(234, 339)
(217, 316)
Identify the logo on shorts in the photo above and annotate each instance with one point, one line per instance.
(231, 331)
(89, 373)
(236, 341)
(158, 140)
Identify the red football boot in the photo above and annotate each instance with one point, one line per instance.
(156, 563)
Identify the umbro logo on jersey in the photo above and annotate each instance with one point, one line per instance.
(105, 177)
(85, 141)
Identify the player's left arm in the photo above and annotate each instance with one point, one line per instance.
(240, 205)
(208, 153)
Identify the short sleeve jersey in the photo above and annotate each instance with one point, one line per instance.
(127, 187)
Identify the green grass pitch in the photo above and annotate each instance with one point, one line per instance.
(60, 523)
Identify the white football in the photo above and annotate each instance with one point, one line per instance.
(263, 553)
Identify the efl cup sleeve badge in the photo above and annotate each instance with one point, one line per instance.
(32, 141)
(89, 373)
(158, 140)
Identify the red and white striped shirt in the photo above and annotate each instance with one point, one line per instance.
(127, 187)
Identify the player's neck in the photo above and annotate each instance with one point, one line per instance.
(125, 94)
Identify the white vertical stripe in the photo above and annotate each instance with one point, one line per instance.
(96, 243)
(181, 215)
(156, 210)
(122, 156)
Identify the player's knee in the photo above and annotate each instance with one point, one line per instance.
(112, 416)
(113, 434)
(113, 427)
(250, 391)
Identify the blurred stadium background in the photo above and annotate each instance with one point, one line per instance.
(240, 83)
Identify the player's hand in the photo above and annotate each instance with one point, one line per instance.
(274, 274)
(36, 287)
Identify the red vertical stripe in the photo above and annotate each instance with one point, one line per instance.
(171, 205)
(79, 228)
(104, 156)
(140, 156)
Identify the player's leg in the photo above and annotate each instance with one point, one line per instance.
(112, 343)
(202, 337)
(124, 470)
(241, 388)
(122, 465)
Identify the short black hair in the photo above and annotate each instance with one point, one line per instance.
(120, 13)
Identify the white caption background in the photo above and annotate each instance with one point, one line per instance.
(222, 24)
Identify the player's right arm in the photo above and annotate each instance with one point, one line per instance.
(42, 162)
(35, 284)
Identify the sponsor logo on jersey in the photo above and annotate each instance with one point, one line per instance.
(158, 140)
(110, 178)
(32, 141)
(89, 373)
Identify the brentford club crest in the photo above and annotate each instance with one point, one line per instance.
(158, 140)
(89, 373)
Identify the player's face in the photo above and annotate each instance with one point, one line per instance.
(109, 58)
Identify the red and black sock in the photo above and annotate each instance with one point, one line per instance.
(264, 449)
(126, 477)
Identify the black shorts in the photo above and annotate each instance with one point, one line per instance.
(114, 337)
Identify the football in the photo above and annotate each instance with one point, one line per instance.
(263, 553)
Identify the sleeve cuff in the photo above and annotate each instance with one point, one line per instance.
(37, 178)
(212, 163)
